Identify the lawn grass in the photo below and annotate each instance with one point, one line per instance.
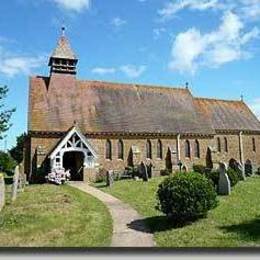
(55, 216)
(234, 223)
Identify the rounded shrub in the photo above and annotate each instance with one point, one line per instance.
(186, 197)
(199, 168)
(233, 176)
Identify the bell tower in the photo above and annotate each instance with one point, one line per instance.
(63, 59)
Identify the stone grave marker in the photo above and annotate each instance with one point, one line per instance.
(110, 178)
(2, 191)
(242, 170)
(143, 171)
(224, 187)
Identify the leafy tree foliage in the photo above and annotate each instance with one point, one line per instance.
(5, 115)
(17, 151)
(7, 163)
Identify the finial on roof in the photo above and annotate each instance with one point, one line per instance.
(242, 97)
(63, 29)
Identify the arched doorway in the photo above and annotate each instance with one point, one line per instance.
(248, 168)
(168, 160)
(209, 163)
(74, 161)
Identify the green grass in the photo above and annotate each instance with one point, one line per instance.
(234, 223)
(55, 216)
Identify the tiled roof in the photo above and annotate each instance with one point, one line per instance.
(227, 115)
(57, 102)
(109, 107)
(63, 50)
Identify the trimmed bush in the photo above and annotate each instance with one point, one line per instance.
(257, 171)
(186, 196)
(165, 172)
(233, 176)
(199, 168)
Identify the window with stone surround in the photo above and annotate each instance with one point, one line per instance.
(120, 149)
(187, 149)
(148, 149)
(108, 150)
(218, 144)
(254, 144)
(159, 149)
(197, 149)
(226, 144)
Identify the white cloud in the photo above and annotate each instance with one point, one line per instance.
(133, 71)
(192, 49)
(11, 66)
(157, 32)
(103, 71)
(130, 71)
(73, 5)
(255, 106)
(171, 8)
(118, 22)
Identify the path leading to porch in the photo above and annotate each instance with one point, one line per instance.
(128, 226)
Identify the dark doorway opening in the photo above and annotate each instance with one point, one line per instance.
(74, 161)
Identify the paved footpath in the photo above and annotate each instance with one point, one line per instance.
(128, 226)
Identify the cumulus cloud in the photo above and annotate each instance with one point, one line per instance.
(193, 49)
(130, 71)
(133, 71)
(103, 71)
(118, 22)
(73, 5)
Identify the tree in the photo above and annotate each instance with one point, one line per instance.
(17, 151)
(5, 115)
(7, 163)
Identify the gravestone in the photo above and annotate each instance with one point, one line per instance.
(2, 191)
(149, 170)
(15, 183)
(224, 187)
(143, 171)
(110, 179)
(242, 170)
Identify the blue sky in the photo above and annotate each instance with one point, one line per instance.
(212, 44)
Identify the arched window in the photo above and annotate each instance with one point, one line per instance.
(159, 149)
(197, 149)
(120, 149)
(226, 144)
(108, 150)
(254, 144)
(218, 144)
(148, 149)
(187, 149)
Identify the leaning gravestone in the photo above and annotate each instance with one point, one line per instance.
(15, 183)
(143, 171)
(110, 179)
(242, 170)
(2, 191)
(224, 187)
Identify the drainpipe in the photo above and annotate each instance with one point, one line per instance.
(241, 150)
(178, 148)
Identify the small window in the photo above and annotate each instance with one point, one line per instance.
(187, 149)
(148, 149)
(197, 149)
(120, 149)
(226, 144)
(254, 144)
(108, 150)
(218, 144)
(159, 149)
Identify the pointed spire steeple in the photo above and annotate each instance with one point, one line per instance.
(63, 59)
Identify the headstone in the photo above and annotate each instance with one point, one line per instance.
(15, 183)
(143, 171)
(224, 187)
(242, 170)
(110, 179)
(149, 170)
(2, 191)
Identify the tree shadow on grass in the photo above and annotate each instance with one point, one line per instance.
(248, 231)
(156, 224)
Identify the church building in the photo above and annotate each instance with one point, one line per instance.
(94, 126)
